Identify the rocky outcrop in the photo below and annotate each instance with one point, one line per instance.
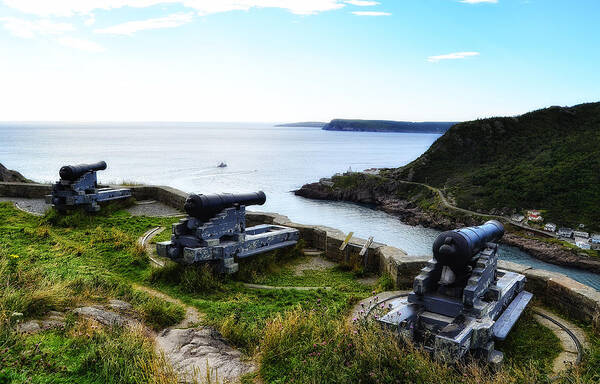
(7, 175)
(379, 197)
(552, 253)
(198, 353)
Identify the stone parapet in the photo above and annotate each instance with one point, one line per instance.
(26, 190)
(554, 289)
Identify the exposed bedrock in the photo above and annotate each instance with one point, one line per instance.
(552, 253)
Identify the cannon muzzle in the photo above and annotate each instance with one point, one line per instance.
(73, 172)
(455, 249)
(206, 206)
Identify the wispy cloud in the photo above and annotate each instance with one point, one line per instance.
(362, 3)
(81, 44)
(131, 27)
(29, 29)
(478, 1)
(452, 56)
(67, 8)
(371, 13)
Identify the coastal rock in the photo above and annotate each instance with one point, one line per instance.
(379, 197)
(7, 175)
(552, 253)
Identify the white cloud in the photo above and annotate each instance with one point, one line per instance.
(67, 8)
(298, 7)
(362, 3)
(478, 1)
(452, 56)
(131, 27)
(28, 29)
(371, 13)
(82, 44)
(90, 20)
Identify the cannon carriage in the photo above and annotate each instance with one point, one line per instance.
(78, 187)
(215, 232)
(461, 302)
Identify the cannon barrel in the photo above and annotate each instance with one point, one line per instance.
(456, 248)
(73, 172)
(205, 206)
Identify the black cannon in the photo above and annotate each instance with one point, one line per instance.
(73, 172)
(78, 187)
(215, 232)
(206, 206)
(461, 302)
(457, 250)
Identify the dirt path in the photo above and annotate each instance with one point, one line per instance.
(571, 353)
(447, 204)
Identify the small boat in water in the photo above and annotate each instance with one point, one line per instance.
(222, 165)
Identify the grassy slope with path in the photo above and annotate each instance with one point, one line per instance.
(54, 263)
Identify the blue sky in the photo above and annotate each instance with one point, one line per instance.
(294, 60)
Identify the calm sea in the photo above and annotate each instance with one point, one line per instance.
(276, 160)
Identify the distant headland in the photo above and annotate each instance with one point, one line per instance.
(352, 125)
(388, 126)
(310, 124)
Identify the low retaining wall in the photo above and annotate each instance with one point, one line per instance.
(554, 289)
(27, 190)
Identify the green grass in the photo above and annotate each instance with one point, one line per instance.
(530, 343)
(58, 262)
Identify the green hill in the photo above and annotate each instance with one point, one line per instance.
(547, 159)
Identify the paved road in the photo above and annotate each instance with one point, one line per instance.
(473, 213)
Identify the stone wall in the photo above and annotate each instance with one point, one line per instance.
(27, 190)
(554, 289)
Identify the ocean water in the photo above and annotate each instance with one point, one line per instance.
(276, 160)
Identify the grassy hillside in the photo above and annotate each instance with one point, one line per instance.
(547, 159)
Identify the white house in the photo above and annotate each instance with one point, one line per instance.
(582, 243)
(517, 218)
(581, 234)
(550, 227)
(565, 232)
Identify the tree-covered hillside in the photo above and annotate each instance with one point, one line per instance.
(547, 159)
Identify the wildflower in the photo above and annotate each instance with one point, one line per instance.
(382, 305)
(373, 292)
(14, 256)
(354, 320)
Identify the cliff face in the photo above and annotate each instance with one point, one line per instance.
(8, 175)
